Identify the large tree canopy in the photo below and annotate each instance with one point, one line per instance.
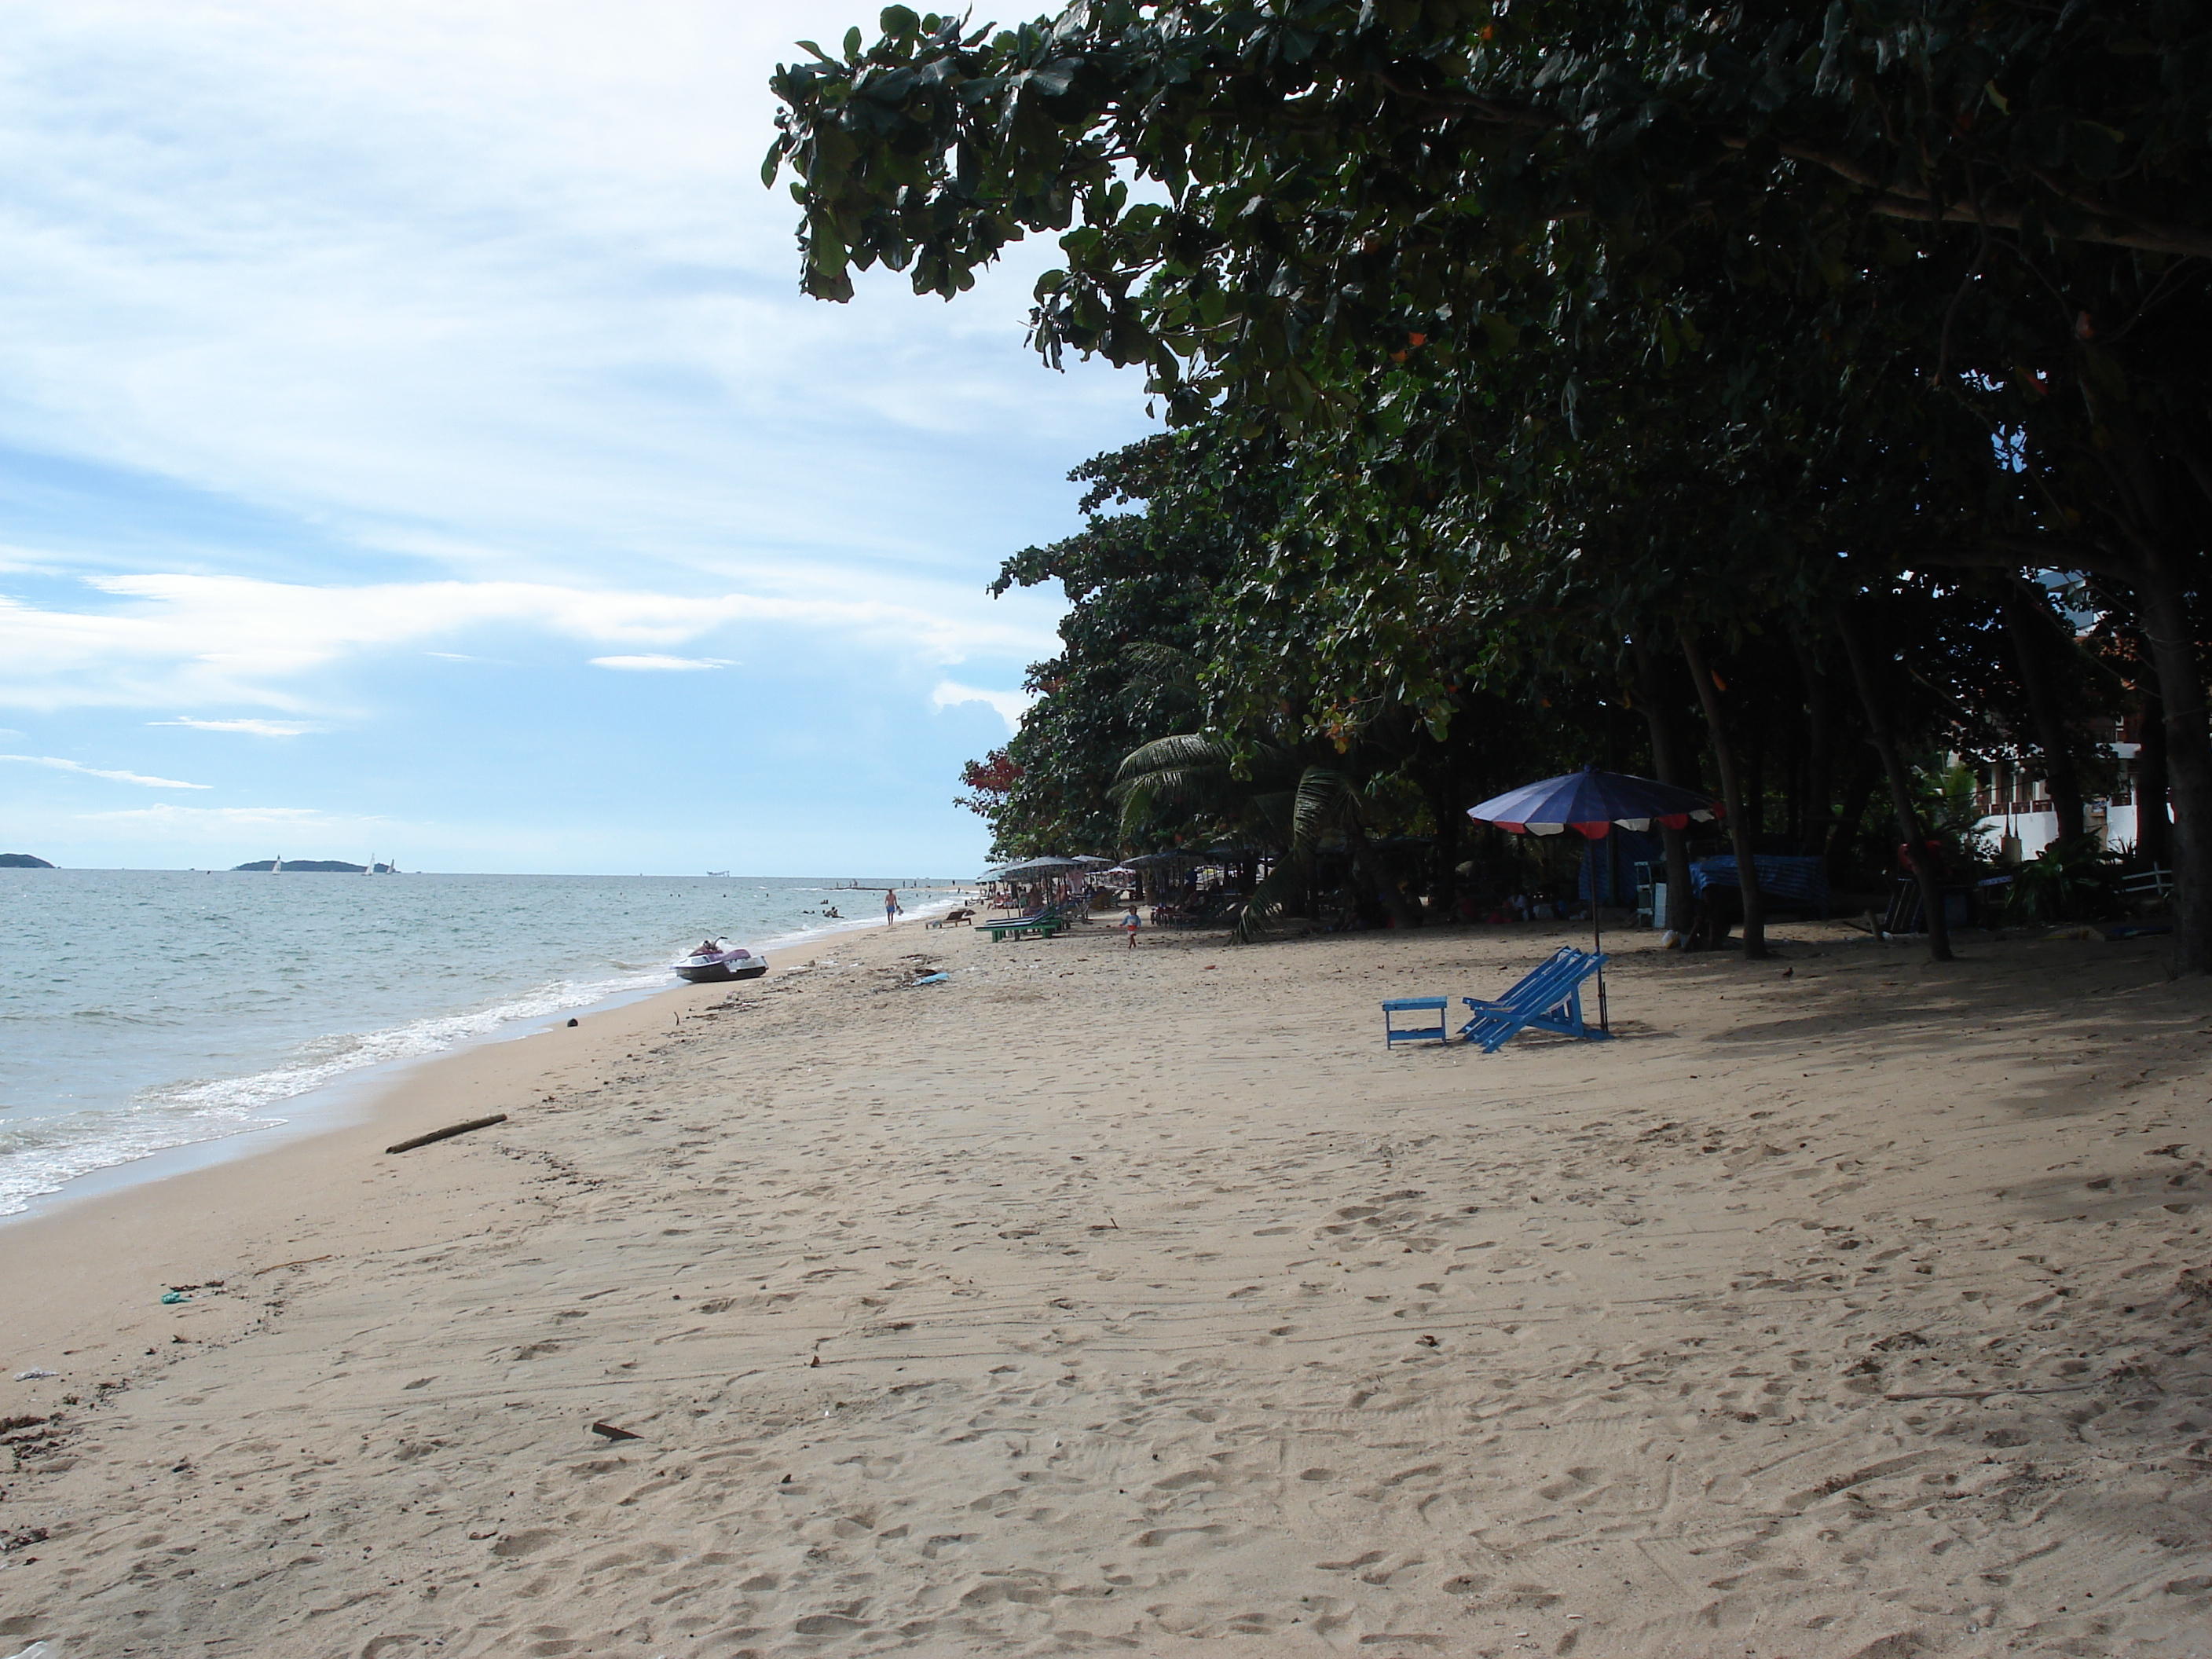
(1336, 171)
(1576, 333)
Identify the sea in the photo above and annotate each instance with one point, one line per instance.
(147, 1011)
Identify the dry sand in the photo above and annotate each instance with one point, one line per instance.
(1106, 1300)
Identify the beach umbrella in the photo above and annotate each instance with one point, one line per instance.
(1029, 869)
(1591, 803)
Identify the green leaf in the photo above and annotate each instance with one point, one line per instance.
(852, 45)
(1055, 78)
(899, 23)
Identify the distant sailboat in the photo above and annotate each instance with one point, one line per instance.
(277, 865)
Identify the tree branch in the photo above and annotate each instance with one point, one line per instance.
(2118, 229)
(1494, 112)
(2023, 550)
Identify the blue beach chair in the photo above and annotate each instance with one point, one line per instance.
(1548, 1000)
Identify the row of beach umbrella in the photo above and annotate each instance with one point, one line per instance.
(1107, 869)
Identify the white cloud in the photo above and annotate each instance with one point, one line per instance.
(96, 772)
(245, 261)
(192, 638)
(1011, 705)
(258, 728)
(651, 665)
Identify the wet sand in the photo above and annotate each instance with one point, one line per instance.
(1101, 1300)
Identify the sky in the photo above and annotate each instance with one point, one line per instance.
(414, 444)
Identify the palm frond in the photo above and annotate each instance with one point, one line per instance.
(1186, 749)
(1266, 900)
(1325, 798)
(1164, 663)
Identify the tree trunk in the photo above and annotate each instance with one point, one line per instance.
(1900, 793)
(1746, 868)
(2154, 829)
(2166, 629)
(2166, 540)
(1378, 879)
(1667, 760)
(2027, 623)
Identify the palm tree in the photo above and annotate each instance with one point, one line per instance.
(1269, 791)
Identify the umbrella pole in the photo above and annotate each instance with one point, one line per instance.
(1597, 948)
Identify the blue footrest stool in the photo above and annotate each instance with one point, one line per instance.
(1439, 1032)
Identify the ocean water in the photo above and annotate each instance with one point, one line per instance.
(145, 1010)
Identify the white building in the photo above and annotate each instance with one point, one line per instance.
(2018, 818)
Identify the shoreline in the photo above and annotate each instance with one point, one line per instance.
(1097, 1297)
(353, 1095)
(103, 1245)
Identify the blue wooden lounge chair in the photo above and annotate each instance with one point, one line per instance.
(1548, 1000)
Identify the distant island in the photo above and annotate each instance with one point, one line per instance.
(317, 867)
(22, 862)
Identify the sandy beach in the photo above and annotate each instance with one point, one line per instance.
(1098, 1300)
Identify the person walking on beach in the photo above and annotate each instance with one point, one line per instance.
(891, 907)
(1129, 925)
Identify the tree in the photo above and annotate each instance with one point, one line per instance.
(1423, 249)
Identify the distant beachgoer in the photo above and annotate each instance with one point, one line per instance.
(1129, 925)
(891, 907)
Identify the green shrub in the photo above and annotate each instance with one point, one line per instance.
(2075, 879)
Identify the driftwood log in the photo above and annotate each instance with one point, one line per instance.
(449, 1132)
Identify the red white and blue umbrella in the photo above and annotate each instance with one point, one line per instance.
(1590, 802)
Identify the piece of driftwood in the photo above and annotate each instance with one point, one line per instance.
(449, 1132)
(613, 1433)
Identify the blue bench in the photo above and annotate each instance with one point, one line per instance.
(1786, 883)
(1548, 1000)
(1044, 927)
(1439, 1032)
